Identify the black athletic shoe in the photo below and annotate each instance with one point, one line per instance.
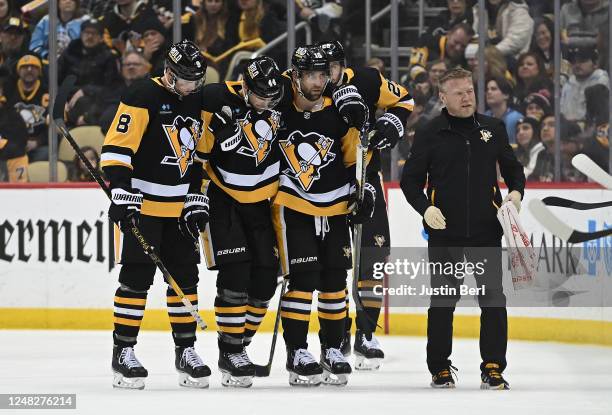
(492, 378)
(444, 378)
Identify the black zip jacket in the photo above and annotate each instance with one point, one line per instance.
(460, 156)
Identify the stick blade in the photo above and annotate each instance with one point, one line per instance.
(589, 168)
(548, 219)
(62, 97)
(262, 371)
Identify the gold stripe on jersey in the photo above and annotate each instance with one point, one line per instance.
(393, 95)
(297, 203)
(127, 129)
(244, 196)
(161, 209)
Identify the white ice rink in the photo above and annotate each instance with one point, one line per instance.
(546, 378)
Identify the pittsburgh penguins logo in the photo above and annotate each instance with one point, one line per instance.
(33, 115)
(259, 135)
(183, 135)
(347, 251)
(306, 156)
(379, 240)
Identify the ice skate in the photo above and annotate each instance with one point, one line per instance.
(128, 371)
(303, 368)
(368, 353)
(193, 373)
(335, 367)
(237, 369)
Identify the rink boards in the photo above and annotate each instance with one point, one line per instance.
(57, 269)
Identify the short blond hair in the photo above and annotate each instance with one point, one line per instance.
(455, 73)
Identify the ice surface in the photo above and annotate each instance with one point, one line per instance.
(546, 378)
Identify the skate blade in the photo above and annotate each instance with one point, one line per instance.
(363, 363)
(447, 385)
(121, 382)
(304, 381)
(230, 381)
(187, 381)
(502, 387)
(334, 379)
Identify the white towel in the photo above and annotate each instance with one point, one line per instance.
(522, 256)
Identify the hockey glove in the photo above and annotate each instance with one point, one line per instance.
(125, 206)
(194, 217)
(387, 132)
(362, 212)
(351, 106)
(224, 127)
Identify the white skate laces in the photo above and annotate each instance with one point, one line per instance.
(191, 357)
(334, 355)
(128, 358)
(239, 359)
(303, 356)
(371, 344)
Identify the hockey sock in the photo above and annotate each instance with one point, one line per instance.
(332, 314)
(367, 318)
(183, 324)
(230, 311)
(255, 312)
(128, 312)
(295, 316)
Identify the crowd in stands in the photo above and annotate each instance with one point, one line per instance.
(108, 45)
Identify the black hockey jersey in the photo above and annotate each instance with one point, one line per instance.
(316, 149)
(150, 146)
(246, 167)
(379, 92)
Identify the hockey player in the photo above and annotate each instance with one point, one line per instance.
(310, 213)
(243, 165)
(148, 157)
(350, 88)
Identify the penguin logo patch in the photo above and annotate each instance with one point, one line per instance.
(183, 136)
(259, 136)
(485, 135)
(347, 251)
(306, 155)
(379, 240)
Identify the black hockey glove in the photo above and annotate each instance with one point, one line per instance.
(224, 127)
(362, 212)
(387, 132)
(351, 106)
(125, 206)
(194, 217)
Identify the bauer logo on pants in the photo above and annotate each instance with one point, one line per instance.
(306, 156)
(183, 135)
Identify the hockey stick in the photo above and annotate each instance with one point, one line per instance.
(590, 169)
(567, 203)
(559, 228)
(58, 119)
(262, 371)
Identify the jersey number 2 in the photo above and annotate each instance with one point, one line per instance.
(393, 88)
(123, 123)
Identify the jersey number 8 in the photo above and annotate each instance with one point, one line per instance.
(123, 123)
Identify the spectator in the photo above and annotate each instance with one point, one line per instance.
(13, 43)
(498, 97)
(544, 169)
(435, 70)
(582, 15)
(119, 21)
(165, 14)
(494, 62)
(6, 12)
(596, 145)
(570, 146)
(509, 25)
(583, 58)
(68, 28)
(154, 43)
(28, 95)
(323, 16)
(88, 58)
(255, 21)
(134, 66)
(13, 139)
(531, 76)
(450, 46)
(209, 27)
(537, 105)
(528, 143)
(78, 171)
(542, 42)
(377, 64)
(457, 11)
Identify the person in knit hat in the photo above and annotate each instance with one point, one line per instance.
(537, 105)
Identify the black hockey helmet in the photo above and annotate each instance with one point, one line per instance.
(309, 58)
(185, 60)
(262, 76)
(334, 51)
